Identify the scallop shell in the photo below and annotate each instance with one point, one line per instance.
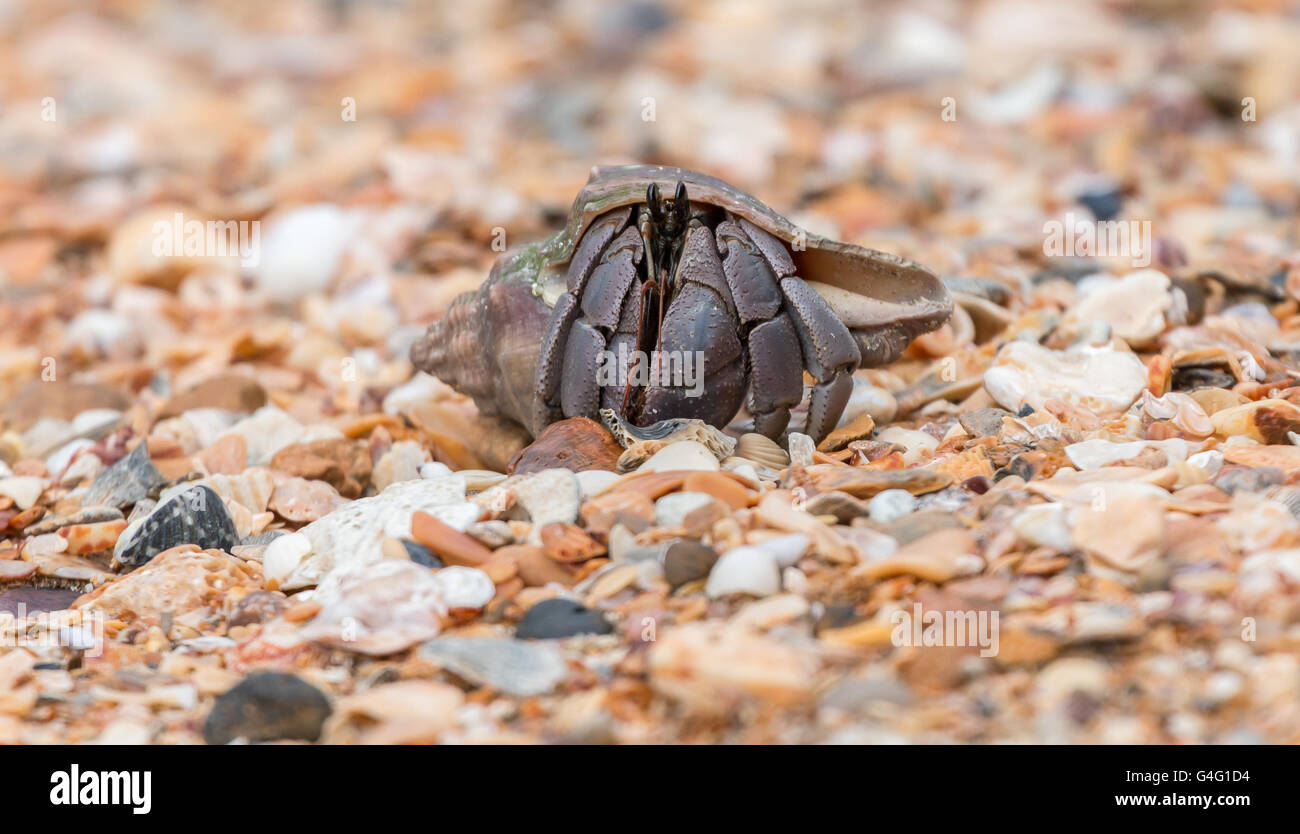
(762, 450)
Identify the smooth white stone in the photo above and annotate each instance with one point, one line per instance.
(302, 251)
(593, 482)
(890, 505)
(744, 570)
(464, 587)
(283, 554)
(671, 510)
(1044, 525)
(684, 454)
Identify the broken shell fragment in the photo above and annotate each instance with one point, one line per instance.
(1264, 421)
(515, 667)
(126, 482)
(1102, 379)
(1137, 308)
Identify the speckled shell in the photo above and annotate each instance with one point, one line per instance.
(487, 344)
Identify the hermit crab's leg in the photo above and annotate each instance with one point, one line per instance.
(830, 353)
(626, 349)
(776, 375)
(700, 354)
(646, 225)
(776, 371)
(550, 360)
(602, 305)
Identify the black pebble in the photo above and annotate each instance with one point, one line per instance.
(686, 560)
(1025, 411)
(1104, 205)
(555, 618)
(267, 706)
(421, 555)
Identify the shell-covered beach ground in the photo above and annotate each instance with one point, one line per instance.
(230, 509)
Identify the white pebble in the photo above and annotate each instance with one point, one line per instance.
(1044, 525)
(283, 554)
(744, 570)
(24, 489)
(915, 442)
(459, 516)
(550, 495)
(593, 482)
(59, 460)
(684, 454)
(890, 505)
(463, 587)
(671, 510)
(787, 549)
(302, 251)
(1211, 461)
(433, 469)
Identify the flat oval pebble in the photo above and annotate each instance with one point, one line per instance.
(267, 706)
(558, 618)
(513, 667)
(686, 560)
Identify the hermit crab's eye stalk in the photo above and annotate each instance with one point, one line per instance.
(681, 206)
(654, 203)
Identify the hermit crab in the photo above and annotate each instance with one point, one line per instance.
(671, 294)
